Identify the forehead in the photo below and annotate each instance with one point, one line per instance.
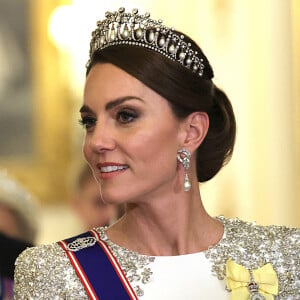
(112, 81)
(106, 83)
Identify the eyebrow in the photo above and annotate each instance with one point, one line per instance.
(112, 104)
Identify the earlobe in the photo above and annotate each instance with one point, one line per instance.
(196, 126)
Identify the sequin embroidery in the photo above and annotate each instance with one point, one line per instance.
(45, 272)
(253, 246)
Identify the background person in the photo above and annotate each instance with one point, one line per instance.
(86, 201)
(18, 228)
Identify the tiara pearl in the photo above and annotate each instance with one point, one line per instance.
(134, 29)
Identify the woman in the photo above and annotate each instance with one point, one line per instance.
(156, 125)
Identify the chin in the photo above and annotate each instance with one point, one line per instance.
(113, 197)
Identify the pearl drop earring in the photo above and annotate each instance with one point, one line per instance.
(183, 156)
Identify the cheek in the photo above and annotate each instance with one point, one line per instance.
(86, 151)
(158, 147)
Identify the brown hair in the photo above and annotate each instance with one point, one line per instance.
(186, 92)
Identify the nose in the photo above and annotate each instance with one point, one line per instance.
(102, 138)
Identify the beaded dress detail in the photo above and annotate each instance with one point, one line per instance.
(45, 272)
(136, 267)
(253, 246)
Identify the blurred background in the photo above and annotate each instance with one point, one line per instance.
(254, 48)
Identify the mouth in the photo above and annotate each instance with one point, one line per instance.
(109, 169)
(113, 168)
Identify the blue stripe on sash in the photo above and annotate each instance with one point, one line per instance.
(99, 270)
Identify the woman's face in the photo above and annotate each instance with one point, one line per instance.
(132, 136)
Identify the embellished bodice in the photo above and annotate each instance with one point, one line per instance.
(136, 267)
(253, 246)
(45, 272)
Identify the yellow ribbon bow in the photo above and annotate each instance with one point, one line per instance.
(240, 280)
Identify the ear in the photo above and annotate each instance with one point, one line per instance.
(195, 127)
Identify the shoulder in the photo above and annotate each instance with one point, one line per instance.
(33, 269)
(44, 271)
(253, 246)
(43, 256)
(251, 234)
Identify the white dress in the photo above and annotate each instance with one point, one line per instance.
(186, 277)
(45, 272)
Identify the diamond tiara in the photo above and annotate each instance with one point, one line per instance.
(122, 28)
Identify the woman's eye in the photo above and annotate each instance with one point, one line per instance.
(126, 116)
(87, 122)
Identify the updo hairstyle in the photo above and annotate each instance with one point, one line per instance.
(186, 92)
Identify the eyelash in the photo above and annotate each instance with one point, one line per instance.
(123, 116)
(87, 122)
(129, 115)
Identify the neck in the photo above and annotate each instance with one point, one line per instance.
(173, 225)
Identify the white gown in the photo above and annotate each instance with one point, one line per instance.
(45, 272)
(187, 277)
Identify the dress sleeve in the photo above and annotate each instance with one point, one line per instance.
(31, 274)
(44, 272)
(288, 262)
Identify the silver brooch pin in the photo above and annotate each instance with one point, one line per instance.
(81, 243)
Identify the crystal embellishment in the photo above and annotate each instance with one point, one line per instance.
(81, 243)
(252, 246)
(45, 272)
(136, 267)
